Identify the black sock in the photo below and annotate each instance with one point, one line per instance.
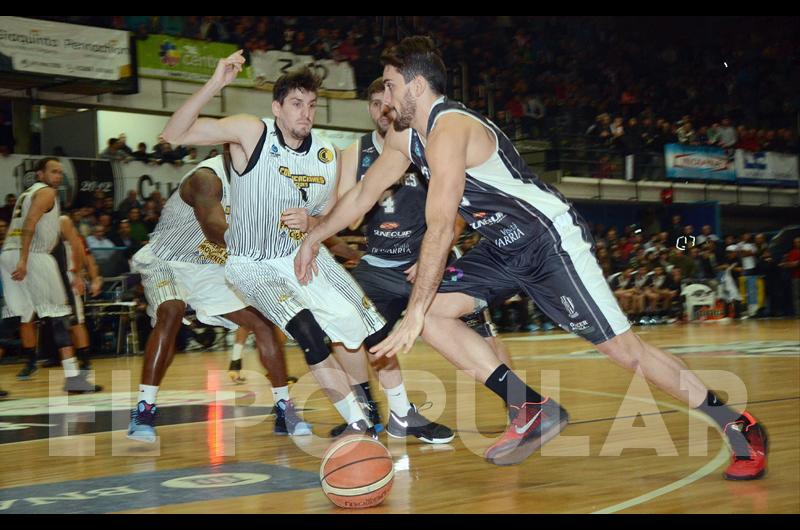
(29, 354)
(723, 415)
(363, 389)
(511, 388)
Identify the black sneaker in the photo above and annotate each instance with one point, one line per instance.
(51, 363)
(3, 394)
(373, 414)
(417, 425)
(80, 385)
(27, 372)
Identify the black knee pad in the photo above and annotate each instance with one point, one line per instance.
(305, 329)
(481, 322)
(61, 336)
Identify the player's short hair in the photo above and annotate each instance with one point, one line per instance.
(415, 56)
(375, 87)
(303, 79)
(41, 165)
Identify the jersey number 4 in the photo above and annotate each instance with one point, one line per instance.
(388, 204)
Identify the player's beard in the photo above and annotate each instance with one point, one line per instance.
(300, 134)
(404, 118)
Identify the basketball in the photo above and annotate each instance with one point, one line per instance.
(356, 472)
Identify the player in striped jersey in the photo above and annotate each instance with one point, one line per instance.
(183, 264)
(280, 165)
(31, 282)
(535, 241)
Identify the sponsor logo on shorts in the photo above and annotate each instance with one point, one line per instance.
(578, 326)
(566, 301)
(162, 283)
(283, 298)
(367, 303)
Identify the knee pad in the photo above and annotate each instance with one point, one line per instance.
(481, 322)
(305, 329)
(61, 336)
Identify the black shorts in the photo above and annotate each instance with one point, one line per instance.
(558, 271)
(389, 290)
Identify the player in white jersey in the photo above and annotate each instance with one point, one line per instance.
(31, 282)
(183, 264)
(280, 165)
(534, 241)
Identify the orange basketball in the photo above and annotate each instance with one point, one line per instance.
(356, 472)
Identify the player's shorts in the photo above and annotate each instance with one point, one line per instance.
(338, 304)
(557, 270)
(41, 292)
(201, 286)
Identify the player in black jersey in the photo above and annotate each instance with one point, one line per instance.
(534, 240)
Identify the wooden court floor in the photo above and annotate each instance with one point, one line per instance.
(628, 448)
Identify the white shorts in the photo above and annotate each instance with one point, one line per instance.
(337, 302)
(201, 286)
(41, 292)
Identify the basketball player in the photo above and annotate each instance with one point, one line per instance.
(183, 264)
(279, 164)
(534, 241)
(31, 282)
(386, 272)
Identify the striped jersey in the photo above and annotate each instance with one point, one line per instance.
(504, 200)
(276, 178)
(178, 236)
(394, 226)
(47, 231)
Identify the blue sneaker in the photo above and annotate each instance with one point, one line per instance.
(141, 427)
(548, 326)
(287, 421)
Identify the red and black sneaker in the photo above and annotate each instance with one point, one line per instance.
(534, 425)
(753, 465)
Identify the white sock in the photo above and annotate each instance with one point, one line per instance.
(398, 400)
(350, 410)
(70, 367)
(237, 352)
(280, 392)
(147, 393)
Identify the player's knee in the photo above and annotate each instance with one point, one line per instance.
(305, 329)
(170, 313)
(61, 334)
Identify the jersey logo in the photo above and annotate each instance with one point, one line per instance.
(389, 226)
(294, 234)
(301, 181)
(273, 151)
(366, 162)
(325, 155)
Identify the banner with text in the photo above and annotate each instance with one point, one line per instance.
(167, 57)
(686, 162)
(55, 48)
(766, 168)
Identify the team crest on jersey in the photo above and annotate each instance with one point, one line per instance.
(325, 155)
(417, 149)
(301, 181)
